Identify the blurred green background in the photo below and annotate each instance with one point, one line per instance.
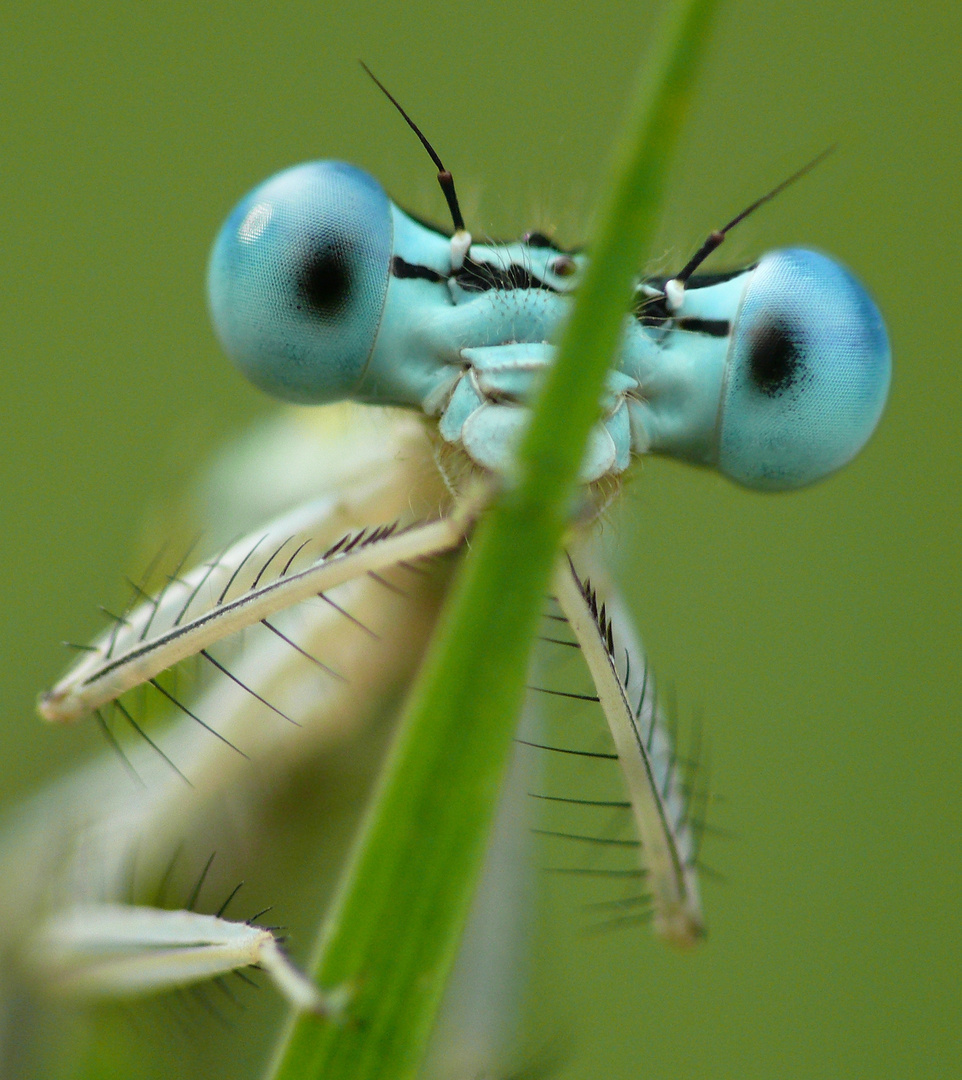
(817, 634)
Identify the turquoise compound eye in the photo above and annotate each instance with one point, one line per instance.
(297, 280)
(808, 373)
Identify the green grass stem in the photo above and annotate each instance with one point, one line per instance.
(395, 926)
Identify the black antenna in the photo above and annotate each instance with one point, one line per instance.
(445, 179)
(715, 238)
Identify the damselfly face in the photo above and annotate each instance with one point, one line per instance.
(323, 291)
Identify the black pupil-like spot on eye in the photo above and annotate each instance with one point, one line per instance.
(774, 359)
(324, 281)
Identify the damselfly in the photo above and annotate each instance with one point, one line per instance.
(323, 291)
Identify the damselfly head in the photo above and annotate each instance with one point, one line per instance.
(322, 289)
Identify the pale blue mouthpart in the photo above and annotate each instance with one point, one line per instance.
(321, 289)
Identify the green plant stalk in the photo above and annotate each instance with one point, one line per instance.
(395, 926)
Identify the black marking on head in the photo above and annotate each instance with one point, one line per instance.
(401, 268)
(709, 327)
(774, 358)
(653, 312)
(324, 280)
(477, 276)
(474, 276)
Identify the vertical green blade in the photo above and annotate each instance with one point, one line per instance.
(395, 927)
